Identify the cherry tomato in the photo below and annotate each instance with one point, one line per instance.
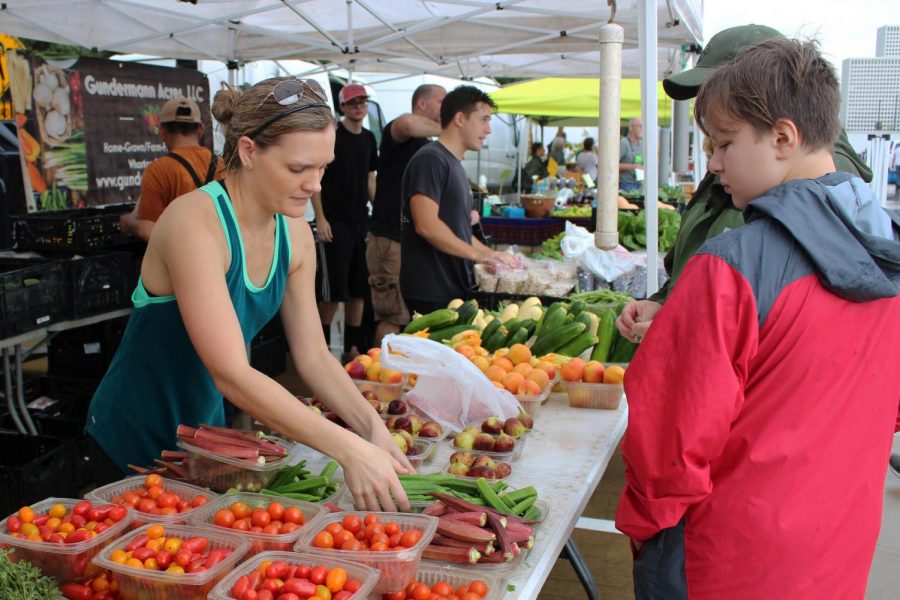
(260, 517)
(241, 525)
(421, 592)
(352, 523)
(470, 596)
(118, 513)
(277, 570)
(167, 500)
(318, 574)
(335, 579)
(81, 508)
(248, 595)
(26, 514)
(146, 505)
(14, 524)
(153, 479)
(301, 587)
(352, 585)
(224, 518)
(240, 586)
(342, 595)
(199, 501)
(293, 514)
(442, 588)
(410, 538)
(76, 591)
(164, 558)
(216, 556)
(392, 528)
(302, 571)
(394, 596)
(240, 510)
(371, 518)
(276, 511)
(183, 557)
(265, 595)
(288, 527)
(352, 545)
(478, 587)
(288, 596)
(196, 544)
(323, 539)
(155, 531)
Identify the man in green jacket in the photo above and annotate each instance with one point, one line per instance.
(710, 211)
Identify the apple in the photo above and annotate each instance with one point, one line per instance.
(467, 458)
(593, 372)
(401, 442)
(484, 442)
(503, 470)
(417, 423)
(483, 460)
(355, 369)
(504, 443)
(492, 425)
(526, 419)
(464, 440)
(431, 429)
(458, 468)
(397, 407)
(514, 427)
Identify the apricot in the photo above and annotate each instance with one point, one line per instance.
(530, 388)
(513, 381)
(503, 362)
(498, 385)
(495, 373)
(593, 372)
(547, 367)
(373, 371)
(375, 353)
(466, 350)
(480, 362)
(364, 360)
(539, 377)
(573, 370)
(519, 353)
(523, 368)
(389, 376)
(614, 374)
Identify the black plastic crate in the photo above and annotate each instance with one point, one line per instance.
(32, 294)
(98, 283)
(85, 352)
(36, 467)
(78, 229)
(493, 300)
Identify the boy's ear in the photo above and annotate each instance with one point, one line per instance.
(786, 138)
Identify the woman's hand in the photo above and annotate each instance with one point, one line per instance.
(371, 475)
(381, 437)
(636, 317)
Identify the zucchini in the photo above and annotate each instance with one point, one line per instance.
(520, 336)
(496, 341)
(455, 303)
(553, 340)
(554, 317)
(447, 333)
(578, 345)
(510, 311)
(530, 325)
(467, 312)
(623, 350)
(576, 307)
(606, 334)
(490, 328)
(443, 317)
(590, 320)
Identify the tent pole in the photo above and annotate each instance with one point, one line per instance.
(606, 235)
(647, 42)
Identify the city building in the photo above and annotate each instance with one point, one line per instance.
(870, 87)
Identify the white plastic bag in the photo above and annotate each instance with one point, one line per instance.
(449, 388)
(578, 244)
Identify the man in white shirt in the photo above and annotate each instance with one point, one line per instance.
(587, 159)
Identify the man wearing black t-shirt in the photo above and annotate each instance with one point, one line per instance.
(342, 213)
(438, 248)
(401, 139)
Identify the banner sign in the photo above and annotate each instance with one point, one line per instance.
(88, 127)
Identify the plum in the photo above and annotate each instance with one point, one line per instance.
(484, 442)
(431, 429)
(492, 425)
(504, 443)
(397, 407)
(514, 427)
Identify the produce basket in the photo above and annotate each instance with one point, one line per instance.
(426, 450)
(595, 395)
(32, 294)
(367, 576)
(98, 283)
(512, 456)
(473, 479)
(385, 392)
(145, 584)
(532, 403)
(431, 573)
(397, 567)
(76, 229)
(537, 207)
(259, 542)
(222, 473)
(110, 491)
(65, 562)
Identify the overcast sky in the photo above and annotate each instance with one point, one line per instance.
(845, 28)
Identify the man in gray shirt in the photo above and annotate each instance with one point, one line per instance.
(631, 157)
(438, 250)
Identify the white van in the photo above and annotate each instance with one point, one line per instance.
(501, 157)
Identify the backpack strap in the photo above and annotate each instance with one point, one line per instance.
(187, 166)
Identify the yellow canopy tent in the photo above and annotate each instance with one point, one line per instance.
(572, 101)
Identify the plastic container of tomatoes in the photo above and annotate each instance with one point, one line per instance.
(146, 584)
(65, 562)
(223, 473)
(397, 567)
(367, 576)
(185, 490)
(259, 542)
(432, 573)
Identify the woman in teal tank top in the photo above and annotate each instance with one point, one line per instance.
(221, 261)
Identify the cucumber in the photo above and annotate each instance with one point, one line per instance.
(623, 350)
(447, 333)
(554, 317)
(443, 317)
(606, 334)
(576, 307)
(519, 337)
(578, 345)
(557, 338)
(496, 341)
(467, 312)
(590, 321)
(530, 325)
(490, 328)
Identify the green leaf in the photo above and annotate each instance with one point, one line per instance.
(510, 587)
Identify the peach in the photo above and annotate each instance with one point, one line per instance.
(547, 367)
(614, 374)
(498, 385)
(355, 369)
(373, 372)
(480, 362)
(513, 381)
(390, 376)
(531, 388)
(539, 377)
(593, 372)
(374, 353)
(573, 370)
(519, 353)
(465, 350)
(495, 373)
(523, 368)
(504, 363)
(364, 360)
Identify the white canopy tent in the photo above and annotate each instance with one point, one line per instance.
(455, 38)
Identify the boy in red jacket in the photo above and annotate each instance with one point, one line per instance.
(756, 459)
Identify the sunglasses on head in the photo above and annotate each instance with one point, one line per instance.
(291, 92)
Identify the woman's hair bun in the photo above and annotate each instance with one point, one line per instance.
(224, 103)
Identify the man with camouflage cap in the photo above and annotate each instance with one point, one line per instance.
(710, 211)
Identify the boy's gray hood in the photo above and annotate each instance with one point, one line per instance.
(853, 243)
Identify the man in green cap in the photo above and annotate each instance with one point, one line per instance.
(710, 211)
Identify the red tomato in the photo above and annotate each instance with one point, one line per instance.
(78, 536)
(317, 575)
(270, 585)
(196, 544)
(394, 596)
(164, 558)
(342, 595)
(216, 556)
(410, 538)
(470, 596)
(240, 586)
(276, 511)
(13, 524)
(166, 500)
(352, 586)
(352, 523)
(478, 587)
(288, 527)
(371, 518)
(199, 501)
(256, 529)
(265, 595)
(81, 508)
(255, 579)
(323, 539)
(260, 517)
(392, 528)
(152, 480)
(421, 592)
(118, 513)
(39, 519)
(293, 514)
(76, 591)
(183, 557)
(277, 570)
(146, 505)
(240, 510)
(241, 525)
(443, 588)
(301, 587)
(288, 596)
(248, 595)
(224, 518)
(302, 571)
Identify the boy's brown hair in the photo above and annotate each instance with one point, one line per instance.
(776, 79)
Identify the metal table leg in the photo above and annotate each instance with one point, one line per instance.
(572, 554)
(20, 392)
(10, 404)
